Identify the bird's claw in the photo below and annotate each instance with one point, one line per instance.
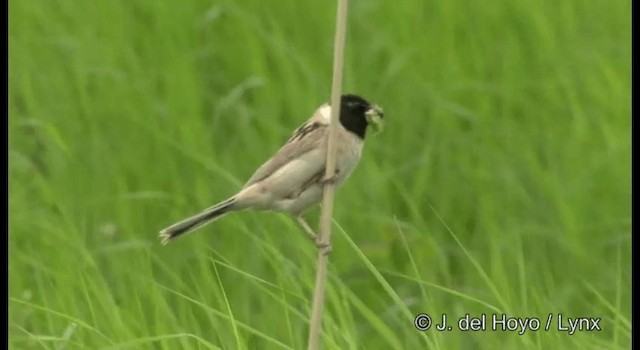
(324, 247)
(330, 180)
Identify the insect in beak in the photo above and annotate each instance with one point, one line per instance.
(374, 119)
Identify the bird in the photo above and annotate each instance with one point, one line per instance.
(293, 179)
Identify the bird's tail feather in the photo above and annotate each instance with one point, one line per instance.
(190, 224)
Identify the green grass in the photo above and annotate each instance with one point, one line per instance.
(500, 185)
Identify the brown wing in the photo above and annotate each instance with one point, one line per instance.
(306, 138)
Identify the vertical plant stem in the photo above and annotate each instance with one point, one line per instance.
(329, 187)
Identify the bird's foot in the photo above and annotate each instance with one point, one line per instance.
(323, 247)
(329, 180)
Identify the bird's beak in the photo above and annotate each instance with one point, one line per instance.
(374, 119)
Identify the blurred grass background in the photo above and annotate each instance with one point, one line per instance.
(500, 185)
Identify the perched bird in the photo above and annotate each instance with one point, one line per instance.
(293, 179)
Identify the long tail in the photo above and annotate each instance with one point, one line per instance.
(189, 224)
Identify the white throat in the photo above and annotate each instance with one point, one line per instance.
(325, 112)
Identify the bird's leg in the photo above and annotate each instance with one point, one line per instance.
(307, 229)
(325, 247)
